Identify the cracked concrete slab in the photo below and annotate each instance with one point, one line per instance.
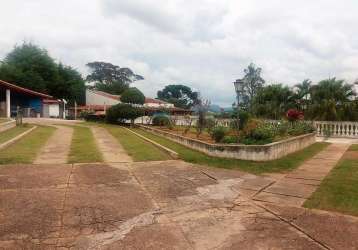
(153, 205)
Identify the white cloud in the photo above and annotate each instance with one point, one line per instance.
(204, 43)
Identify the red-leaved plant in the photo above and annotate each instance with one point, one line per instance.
(294, 115)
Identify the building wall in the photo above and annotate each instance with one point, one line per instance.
(159, 105)
(92, 98)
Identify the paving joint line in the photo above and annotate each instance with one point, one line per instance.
(321, 244)
(64, 203)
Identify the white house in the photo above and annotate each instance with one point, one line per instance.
(155, 103)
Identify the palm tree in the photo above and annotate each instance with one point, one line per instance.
(329, 98)
(302, 93)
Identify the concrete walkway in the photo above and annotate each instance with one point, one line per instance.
(111, 149)
(154, 205)
(294, 188)
(57, 148)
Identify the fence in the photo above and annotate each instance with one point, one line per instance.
(336, 129)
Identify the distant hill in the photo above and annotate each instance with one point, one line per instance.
(217, 109)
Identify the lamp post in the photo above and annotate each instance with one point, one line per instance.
(238, 84)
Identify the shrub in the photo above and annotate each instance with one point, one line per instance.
(300, 128)
(230, 139)
(218, 134)
(123, 112)
(161, 120)
(294, 115)
(210, 124)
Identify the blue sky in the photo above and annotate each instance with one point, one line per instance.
(205, 44)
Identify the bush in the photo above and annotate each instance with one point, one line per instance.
(210, 125)
(161, 120)
(230, 139)
(218, 134)
(120, 113)
(300, 128)
(294, 115)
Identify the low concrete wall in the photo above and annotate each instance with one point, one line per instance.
(7, 125)
(266, 152)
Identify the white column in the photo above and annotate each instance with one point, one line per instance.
(8, 101)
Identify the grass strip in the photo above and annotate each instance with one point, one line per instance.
(13, 132)
(26, 149)
(339, 190)
(284, 164)
(83, 147)
(136, 147)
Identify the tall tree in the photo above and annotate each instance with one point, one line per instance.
(302, 94)
(252, 83)
(111, 78)
(180, 95)
(273, 101)
(31, 67)
(133, 96)
(329, 99)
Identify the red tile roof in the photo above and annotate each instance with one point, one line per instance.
(114, 97)
(23, 90)
(152, 100)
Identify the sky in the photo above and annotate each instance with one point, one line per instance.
(205, 44)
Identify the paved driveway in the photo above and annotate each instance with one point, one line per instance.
(156, 205)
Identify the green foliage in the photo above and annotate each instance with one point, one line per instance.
(111, 78)
(258, 132)
(218, 134)
(133, 96)
(251, 84)
(273, 101)
(180, 95)
(161, 120)
(331, 101)
(210, 124)
(229, 139)
(31, 67)
(121, 112)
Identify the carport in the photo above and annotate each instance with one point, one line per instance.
(13, 97)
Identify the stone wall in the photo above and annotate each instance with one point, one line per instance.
(266, 152)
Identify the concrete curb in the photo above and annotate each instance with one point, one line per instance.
(16, 138)
(172, 153)
(7, 125)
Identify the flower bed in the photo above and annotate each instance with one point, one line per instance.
(265, 152)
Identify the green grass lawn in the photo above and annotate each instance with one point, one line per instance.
(13, 132)
(339, 190)
(136, 147)
(83, 147)
(284, 164)
(25, 150)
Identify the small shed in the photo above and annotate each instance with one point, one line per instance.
(31, 103)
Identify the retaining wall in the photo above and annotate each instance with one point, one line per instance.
(266, 152)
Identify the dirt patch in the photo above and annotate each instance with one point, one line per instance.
(351, 155)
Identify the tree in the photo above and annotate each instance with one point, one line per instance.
(122, 112)
(180, 95)
(330, 99)
(302, 93)
(111, 78)
(31, 67)
(202, 108)
(133, 96)
(252, 83)
(273, 101)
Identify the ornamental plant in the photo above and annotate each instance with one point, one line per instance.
(294, 115)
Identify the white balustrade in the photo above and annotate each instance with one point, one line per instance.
(336, 129)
